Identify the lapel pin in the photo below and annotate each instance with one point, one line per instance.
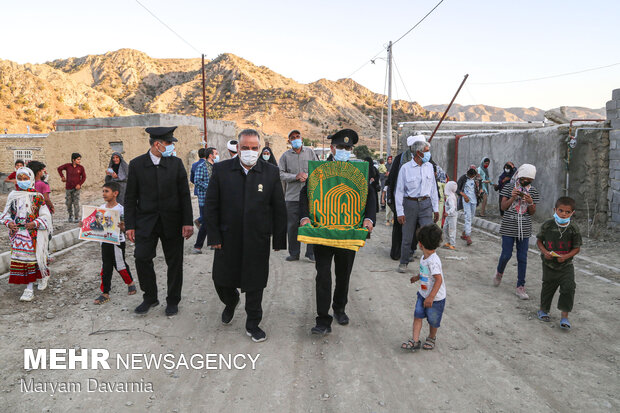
(260, 187)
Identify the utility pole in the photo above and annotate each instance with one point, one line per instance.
(204, 101)
(389, 108)
(381, 139)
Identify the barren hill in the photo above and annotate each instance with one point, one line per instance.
(485, 113)
(37, 95)
(128, 81)
(236, 90)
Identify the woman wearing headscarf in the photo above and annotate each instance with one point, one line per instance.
(483, 171)
(504, 178)
(117, 172)
(519, 204)
(267, 155)
(29, 222)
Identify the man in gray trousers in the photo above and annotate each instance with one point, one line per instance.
(294, 172)
(416, 197)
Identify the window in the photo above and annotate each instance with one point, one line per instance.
(116, 147)
(23, 154)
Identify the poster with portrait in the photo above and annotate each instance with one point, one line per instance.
(100, 224)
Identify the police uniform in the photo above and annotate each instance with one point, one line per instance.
(343, 258)
(157, 207)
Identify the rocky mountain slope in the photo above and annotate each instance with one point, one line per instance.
(484, 113)
(128, 81)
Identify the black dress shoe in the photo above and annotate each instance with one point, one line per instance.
(257, 334)
(341, 318)
(229, 312)
(317, 329)
(172, 309)
(292, 258)
(145, 307)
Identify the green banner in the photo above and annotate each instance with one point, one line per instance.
(337, 193)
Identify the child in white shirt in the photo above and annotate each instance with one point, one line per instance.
(449, 227)
(432, 293)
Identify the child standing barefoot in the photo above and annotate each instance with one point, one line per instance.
(432, 294)
(29, 221)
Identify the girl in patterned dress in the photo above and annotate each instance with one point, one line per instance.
(29, 222)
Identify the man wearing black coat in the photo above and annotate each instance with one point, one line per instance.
(158, 207)
(397, 229)
(244, 208)
(341, 146)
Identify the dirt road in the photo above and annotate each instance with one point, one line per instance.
(492, 353)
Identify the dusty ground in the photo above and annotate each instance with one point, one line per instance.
(492, 353)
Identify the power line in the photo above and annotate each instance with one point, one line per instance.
(371, 60)
(418, 23)
(405, 86)
(168, 27)
(547, 77)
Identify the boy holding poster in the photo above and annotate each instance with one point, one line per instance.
(113, 256)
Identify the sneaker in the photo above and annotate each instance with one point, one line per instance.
(28, 295)
(145, 307)
(292, 258)
(197, 251)
(257, 334)
(322, 330)
(468, 239)
(520, 292)
(43, 283)
(497, 279)
(229, 313)
(402, 268)
(310, 258)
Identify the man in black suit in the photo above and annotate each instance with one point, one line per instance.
(244, 208)
(158, 207)
(341, 147)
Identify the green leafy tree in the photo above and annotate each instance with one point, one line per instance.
(362, 151)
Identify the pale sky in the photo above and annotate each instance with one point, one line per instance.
(493, 41)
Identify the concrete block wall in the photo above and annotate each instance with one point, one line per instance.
(544, 147)
(613, 196)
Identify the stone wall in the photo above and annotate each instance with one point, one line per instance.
(613, 117)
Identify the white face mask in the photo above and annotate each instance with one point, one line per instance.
(248, 158)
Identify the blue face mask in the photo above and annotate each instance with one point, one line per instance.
(217, 158)
(426, 157)
(23, 184)
(561, 221)
(296, 143)
(342, 155)
(169, 151)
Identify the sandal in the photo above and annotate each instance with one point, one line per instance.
(429, 344)
(542, 316)
(565, 324)
(131, 290)
(102, 299)
(411, 345)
